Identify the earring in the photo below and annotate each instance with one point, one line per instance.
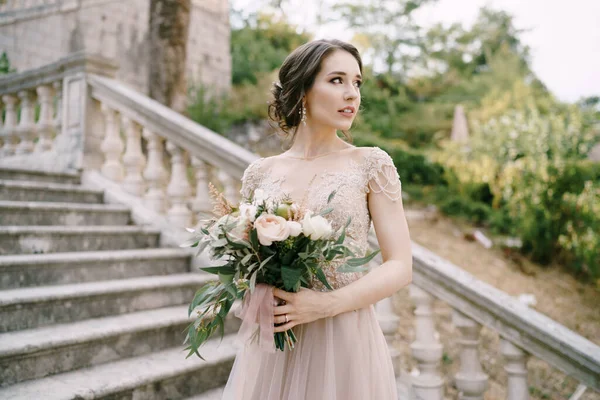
(302, 113)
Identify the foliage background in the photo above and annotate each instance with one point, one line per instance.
(524, 171)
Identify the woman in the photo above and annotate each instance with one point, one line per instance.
(341, 352)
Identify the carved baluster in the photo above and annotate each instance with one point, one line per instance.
(388, 320)
(179, 189)
(112, 146)
(155, 173)
(26, 127)
(11, 137)
(516, 370)
(45, 125)
(426, 349)
(470, 379)
(229, 186)
(59, 107)
(201, 203)
(133, 159)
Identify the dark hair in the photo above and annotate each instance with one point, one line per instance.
(296, 76)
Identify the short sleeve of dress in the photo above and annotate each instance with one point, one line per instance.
(251, 179)
(382, 175)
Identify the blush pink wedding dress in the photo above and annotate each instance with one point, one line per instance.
(340, 358)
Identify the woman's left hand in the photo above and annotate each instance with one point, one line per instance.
(302, 307)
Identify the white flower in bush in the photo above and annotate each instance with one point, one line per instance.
(248, 211)
(271, 228)
(316, 227)
(295, 228)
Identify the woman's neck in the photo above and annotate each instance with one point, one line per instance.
(310, 143)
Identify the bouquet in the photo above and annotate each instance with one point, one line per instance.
(272, 242)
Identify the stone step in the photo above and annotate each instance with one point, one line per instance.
(55, 239)
(19, 213)
(27, 270)
(23, 174)
(214, 394)
(41, 352)
(32, 307)
(161, 375)
(44, 191)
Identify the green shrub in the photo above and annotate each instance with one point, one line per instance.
(413, 166)
(474, 212)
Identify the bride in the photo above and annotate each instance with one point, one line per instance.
(341, 352)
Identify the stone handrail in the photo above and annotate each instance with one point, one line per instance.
(172, 126)
(49, 74)
(519, 324)
(145, 155)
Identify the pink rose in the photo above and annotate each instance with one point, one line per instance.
(271, 228)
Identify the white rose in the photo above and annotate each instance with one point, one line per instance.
(248, 211)
(295, 228)
(316, 227)
(271, 228)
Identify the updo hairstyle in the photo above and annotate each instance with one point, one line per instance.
(296, 77)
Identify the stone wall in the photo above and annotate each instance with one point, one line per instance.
(117, 30)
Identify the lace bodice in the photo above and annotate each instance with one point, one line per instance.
(352, 173)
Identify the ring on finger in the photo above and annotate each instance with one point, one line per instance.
(286, 319)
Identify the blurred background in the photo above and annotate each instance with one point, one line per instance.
(490, 110)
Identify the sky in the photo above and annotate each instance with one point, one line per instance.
(564, 36)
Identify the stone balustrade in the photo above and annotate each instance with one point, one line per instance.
(164, 162)
(523, 332)
(162, 157)
(35, 105)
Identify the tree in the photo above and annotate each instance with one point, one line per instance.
(169, 25)
(390, 36)
(261, 45)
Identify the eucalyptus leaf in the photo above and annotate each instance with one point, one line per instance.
(253, 282)
(325, 211)
(247, 258)
(321, 276)
(331, 196)
(346, 268)
(354, 262)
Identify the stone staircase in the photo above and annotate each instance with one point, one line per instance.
(90, 306)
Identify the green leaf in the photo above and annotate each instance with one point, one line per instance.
(265, 261)
(226, 278)
(331, 196)
(354, 262)
(254, 239)
(343, 235)
(202, 295)
(321, 276)
(325, 211)
(222, 269)
(247, 258)
(346, 268)
(290, 277)
(253, 282)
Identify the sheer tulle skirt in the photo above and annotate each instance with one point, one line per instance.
(341, 358)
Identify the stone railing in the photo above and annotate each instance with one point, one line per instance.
(45, 113)
(160, 162)
(523, 333)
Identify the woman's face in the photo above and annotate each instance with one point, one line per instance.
(334, 98)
